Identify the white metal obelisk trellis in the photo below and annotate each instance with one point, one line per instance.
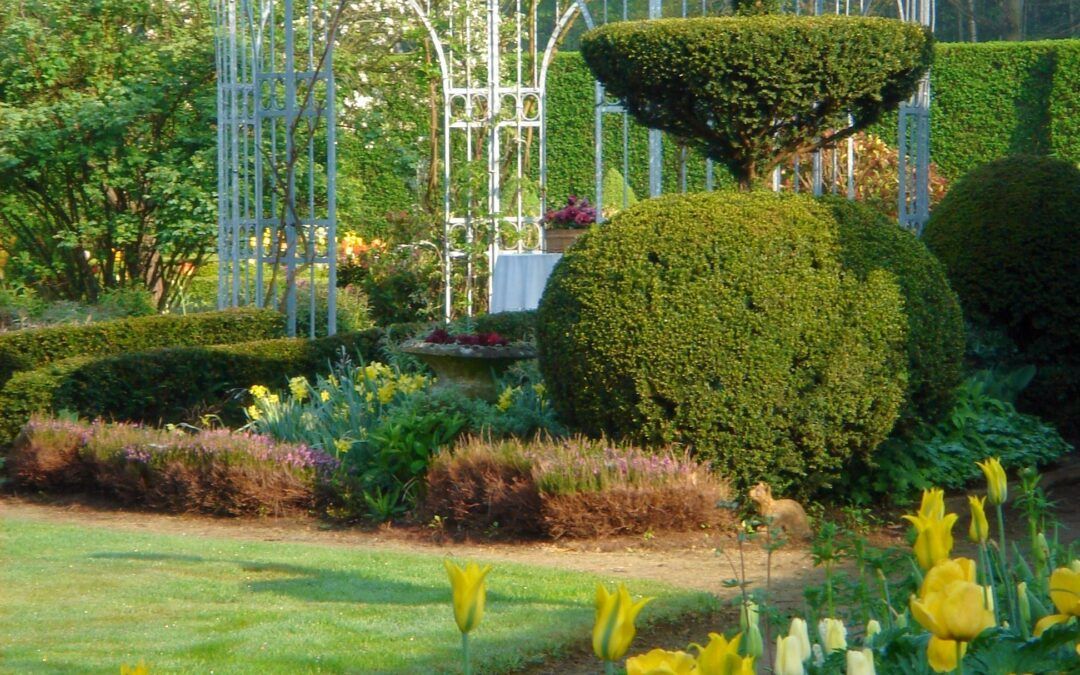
(276, 156)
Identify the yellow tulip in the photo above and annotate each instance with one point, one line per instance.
(934, 540)
(661, 662)
(798, 630)
(1065, 594)
(953, 608)
(942, 655)
(997, 485)
(468, 587)
(788, 657)
(873, 627)
(721, 657)
(979, 531)
(614, 628)
(860, 662)
(933, 504)
(833, 634)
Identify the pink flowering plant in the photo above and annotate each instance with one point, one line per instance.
(578, 214)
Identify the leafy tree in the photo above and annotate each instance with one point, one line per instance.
(752, 91)
(106, 143)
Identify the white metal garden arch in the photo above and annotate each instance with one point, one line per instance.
(276, 125)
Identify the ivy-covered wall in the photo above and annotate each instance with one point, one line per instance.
(990, 100)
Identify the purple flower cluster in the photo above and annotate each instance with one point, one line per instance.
(576, 215)
(579, 465)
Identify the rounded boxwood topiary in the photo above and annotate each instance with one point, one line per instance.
(725, 321)
(1008, 234)
(935, 342)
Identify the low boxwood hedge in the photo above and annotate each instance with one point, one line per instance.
(32, 348)
(168, 385)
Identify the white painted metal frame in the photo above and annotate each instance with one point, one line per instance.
(276, 155)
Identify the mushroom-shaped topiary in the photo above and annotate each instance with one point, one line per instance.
(751, 91)
(726, 321)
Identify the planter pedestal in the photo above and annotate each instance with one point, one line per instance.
(471, 370)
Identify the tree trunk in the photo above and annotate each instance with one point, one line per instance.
(1014, 17)
(972, 26)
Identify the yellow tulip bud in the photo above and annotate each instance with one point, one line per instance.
(748, 615)
(860, 662)
(469, 593)
(933, 504)
(934, 540)
(721, 656)
(1075, 566)
(833, 634)
(1024, 603)
(788, 657)
(979, 531)
(753, 643)
(614, 628)
(872, 629)
(661, 662)
(798, 630)
(997, 485)
(1042, 548)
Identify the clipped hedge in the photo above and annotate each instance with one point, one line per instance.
(28, 349)
(750, 91)
(724, 321)
(166, 385)
(935, 338)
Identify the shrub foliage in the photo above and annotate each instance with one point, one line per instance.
(28, 349)
(935, 337)
(218, 472)
(753, 91)
(1008, 234)
(724, 321)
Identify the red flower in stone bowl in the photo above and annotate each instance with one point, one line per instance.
(578, 214)
(440, 336)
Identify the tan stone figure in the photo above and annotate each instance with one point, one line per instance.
(785, 514)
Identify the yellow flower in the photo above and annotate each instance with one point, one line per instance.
(342, 445)
(721, 657)
(614, 628)
(140, 669)
(253, 412)
(1065, 594)
(833, 634)
(997, 485)
(934, 527)
(324, 396)
(953, 608)
(259, 392)
(387, 392)
(661, 662)
(860, 662)
(298, 386)
(873, 627)
(799, 630)
(469, 593)
(788, 657)
(980, 529)
(506, 398)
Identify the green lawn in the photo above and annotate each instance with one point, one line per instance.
(85, 599)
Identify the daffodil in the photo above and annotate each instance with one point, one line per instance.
(953, 608)
(788, 657)
(860, 662)
(468, 586)
(614, 628)
(934, 540)
(1065, 594)
(979, 531)
(298, 387)
(259, 392)
(833, 634)
(997, 485)
(721, 657)
(661, 662)
(324, 396)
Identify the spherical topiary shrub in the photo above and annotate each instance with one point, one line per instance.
(935, 342)
(725, 321)
(1008, 234)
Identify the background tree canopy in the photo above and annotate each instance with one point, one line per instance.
(106, 143)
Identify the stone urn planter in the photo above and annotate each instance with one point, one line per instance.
(470, 369)
(557, 241)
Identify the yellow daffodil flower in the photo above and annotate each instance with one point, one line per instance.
(661, 662)
(997, 485)
(324, 396)
(721, 657)
(788, 657)
(614, 628)
(468, 586)
(833, 634)
(979, 531)
(860, 662)
(298, 387)
(1065, 594)
(953, 608)
(799, 630)
(259, 391)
